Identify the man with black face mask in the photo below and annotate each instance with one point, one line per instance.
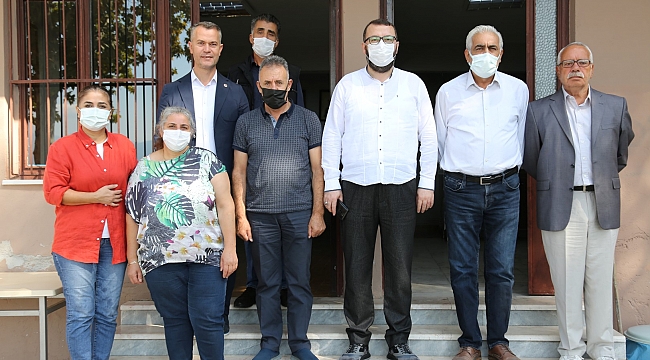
(278, 190)
(376, 119)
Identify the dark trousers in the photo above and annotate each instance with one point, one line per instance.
(282, 239)
(393, 209)
(471, 208)
(189, 298)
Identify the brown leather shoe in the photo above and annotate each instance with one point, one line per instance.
(501, 352)
(468, 353)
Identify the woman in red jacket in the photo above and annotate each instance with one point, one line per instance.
(86, 175)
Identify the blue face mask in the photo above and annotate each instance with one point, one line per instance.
(484, 65)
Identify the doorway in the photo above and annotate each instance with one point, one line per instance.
(304, 41)
(432, 40)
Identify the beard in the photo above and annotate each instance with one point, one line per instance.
(380, 69)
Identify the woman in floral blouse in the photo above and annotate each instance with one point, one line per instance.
(181, 235)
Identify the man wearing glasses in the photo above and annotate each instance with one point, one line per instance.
(480, 118)
(377, 116)
(576, 144)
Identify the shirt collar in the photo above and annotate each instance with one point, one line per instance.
(393, 73)
(288, 112)
(195, 78)
(252, 63)
(88, 142)
(587, 100)
(470, 80)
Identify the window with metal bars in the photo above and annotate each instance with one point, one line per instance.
(61, 46)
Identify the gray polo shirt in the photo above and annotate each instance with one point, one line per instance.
(278, 174)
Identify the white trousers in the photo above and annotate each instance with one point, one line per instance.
(581, 259)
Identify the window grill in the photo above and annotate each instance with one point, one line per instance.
(61, 46)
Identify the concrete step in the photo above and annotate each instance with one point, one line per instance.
(329, 311)
(288, 357)
(331, 340)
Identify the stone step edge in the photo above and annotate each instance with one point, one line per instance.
(337, 332)
(287, 357)
(149, 306)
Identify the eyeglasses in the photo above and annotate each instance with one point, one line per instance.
(569, 63)
(374, 40)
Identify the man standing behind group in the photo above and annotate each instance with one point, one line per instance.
(265, 37)
(375, 120)
(213, 100)
(576, 144)
(278, 191)
(480, 117)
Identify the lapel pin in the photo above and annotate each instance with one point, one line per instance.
(225, 85)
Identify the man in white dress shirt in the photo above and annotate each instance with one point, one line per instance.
(377, 116)
(480, 119)
(576, 144)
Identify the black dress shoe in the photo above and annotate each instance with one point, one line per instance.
(246, 299)
(283, 297)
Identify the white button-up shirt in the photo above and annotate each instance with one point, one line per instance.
(481, 131)
(204, 96)
(373, 129)
(580, 122)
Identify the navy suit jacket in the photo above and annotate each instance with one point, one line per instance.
(230, 102)
(549, 157)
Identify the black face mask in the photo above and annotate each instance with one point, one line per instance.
(274, 98)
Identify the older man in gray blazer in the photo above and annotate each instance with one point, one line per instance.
(576, 144)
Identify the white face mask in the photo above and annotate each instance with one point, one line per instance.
(176, 140)
(263, 47)
(484, 65)
(94, 119)
(381, 54)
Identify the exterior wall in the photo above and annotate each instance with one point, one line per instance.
(615, 30)
(355, 15)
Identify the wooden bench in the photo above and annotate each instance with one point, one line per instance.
(25, 285)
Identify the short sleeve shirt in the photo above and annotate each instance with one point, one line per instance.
(278, 173)
(173, 202)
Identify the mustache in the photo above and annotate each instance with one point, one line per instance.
(575, 74)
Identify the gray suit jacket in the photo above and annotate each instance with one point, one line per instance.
(549, 157)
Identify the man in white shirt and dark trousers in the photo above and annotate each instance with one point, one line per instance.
(377, 116)
(480, 119)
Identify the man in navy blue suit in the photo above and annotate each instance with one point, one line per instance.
(215, 102)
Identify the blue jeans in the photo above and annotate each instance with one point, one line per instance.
(282, 239)
(493, 209)
(190, 298)
(92, 295)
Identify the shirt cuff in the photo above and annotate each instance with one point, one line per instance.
(332, 184)
(426, 183)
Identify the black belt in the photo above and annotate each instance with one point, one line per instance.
(583, 188)
(484, 180)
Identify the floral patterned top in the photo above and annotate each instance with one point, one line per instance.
(173, 203)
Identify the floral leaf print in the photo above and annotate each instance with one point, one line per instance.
(158, 169)
(174, 210)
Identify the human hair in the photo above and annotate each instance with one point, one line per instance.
(206, 25)
(479, 30)
(575, 43)
(275, 60)
(382, 22)
(268, 18)
(164, 115)
(94, 87)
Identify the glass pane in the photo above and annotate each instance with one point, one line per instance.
(122, 38)
(180, 13)
(51, 29)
